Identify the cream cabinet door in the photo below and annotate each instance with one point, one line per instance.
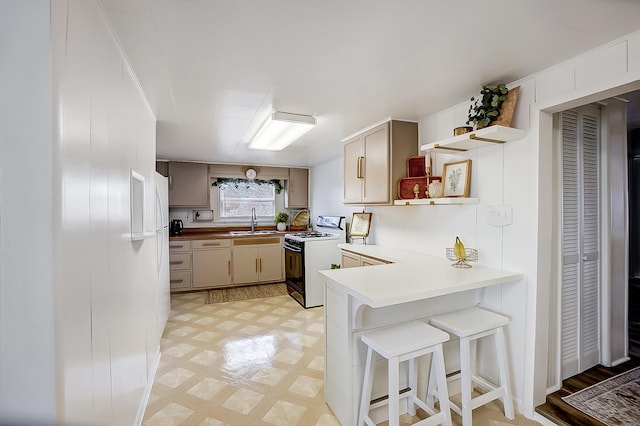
(368, 261)
(188, 185)
(258, 264)
(349, 260)
(376, 165)
(211, 268)
(245, 265)
(353, 159)
(297, 192)
(271, 263)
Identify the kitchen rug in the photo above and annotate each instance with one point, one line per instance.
(614, 402)
(234, 294)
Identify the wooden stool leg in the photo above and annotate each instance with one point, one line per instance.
(503, 369)
(365, 398)
(413, 384)
(394, 391)
(431, 388)
(466, 385)
(437, 360)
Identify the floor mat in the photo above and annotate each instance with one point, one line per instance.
(234, 294)
(616, 401)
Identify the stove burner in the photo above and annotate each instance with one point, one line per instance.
(308, 234)
(311, 234)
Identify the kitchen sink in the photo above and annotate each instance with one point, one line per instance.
(252, 232)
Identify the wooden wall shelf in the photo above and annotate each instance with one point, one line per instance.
(488, 136)
(435, 201)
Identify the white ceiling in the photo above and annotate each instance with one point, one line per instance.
(213, 69)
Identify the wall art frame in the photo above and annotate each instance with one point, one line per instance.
(456, 178)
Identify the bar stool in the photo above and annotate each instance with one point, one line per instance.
(470, 325)
(397, 344)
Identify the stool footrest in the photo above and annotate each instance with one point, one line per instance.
(384, 400)
(480, 400)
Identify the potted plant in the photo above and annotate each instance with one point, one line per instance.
(486, 108)
(281, 220)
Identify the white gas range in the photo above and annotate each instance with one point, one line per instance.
(306, 253)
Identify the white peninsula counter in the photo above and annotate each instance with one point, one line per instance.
(412, 286)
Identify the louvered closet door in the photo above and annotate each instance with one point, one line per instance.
(580, 240)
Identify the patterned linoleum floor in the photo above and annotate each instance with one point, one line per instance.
(249, 362)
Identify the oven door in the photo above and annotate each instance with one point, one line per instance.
(294, 271)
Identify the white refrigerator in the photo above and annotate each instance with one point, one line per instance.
(162, 239)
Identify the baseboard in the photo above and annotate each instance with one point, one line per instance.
(147, 391)
(543, 420)
(620, 361)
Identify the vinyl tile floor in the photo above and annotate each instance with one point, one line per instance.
(250, 362)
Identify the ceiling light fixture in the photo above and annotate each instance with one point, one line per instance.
(280, 130)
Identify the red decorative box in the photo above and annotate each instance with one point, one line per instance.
(416, 166)
(406, 187)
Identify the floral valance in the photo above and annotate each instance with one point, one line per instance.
(236, 182)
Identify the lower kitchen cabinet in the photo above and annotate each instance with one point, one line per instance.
(180, 265)
(211, 263)
(353, 260)
(223, 262)
(257, 260)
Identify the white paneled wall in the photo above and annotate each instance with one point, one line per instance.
(106, 312)
(506, 174)
(80, 336)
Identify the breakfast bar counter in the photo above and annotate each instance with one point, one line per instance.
(410, 277)
(412, 287)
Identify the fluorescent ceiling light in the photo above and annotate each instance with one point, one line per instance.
(280, 130)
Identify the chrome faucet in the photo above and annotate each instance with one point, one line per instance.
(253, 219)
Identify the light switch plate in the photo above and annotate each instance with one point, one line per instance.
(500, 215)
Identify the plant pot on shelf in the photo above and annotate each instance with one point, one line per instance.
(494, 106)
(281, 226)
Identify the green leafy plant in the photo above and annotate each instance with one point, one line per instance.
(485, 108)
(282, 217)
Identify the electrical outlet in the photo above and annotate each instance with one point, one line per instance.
(500, 215)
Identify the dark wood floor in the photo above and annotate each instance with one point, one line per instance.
(562, 413)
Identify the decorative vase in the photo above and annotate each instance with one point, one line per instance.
(436, 190)
(281, 226)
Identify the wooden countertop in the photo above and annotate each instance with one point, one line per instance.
(411, 277)
(190, 234)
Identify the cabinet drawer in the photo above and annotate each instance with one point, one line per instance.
(179, 261)
(179, 246)
(180, 280)
(205, 244)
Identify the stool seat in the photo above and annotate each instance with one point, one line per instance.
(471, 325)
(410, 337)
(469, 321)
(400, 343)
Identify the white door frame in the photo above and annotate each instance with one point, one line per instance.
(541, 119)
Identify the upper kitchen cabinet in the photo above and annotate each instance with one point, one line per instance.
(296, 193)
(375, 160)
(162, 167)
(188, 185)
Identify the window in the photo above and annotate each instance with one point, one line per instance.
(237, 198)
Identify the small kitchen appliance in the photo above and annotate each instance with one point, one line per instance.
(306, 253)
(176, 226)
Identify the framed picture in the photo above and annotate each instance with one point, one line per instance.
(456, 178)
(360, 224)
(137, 205)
